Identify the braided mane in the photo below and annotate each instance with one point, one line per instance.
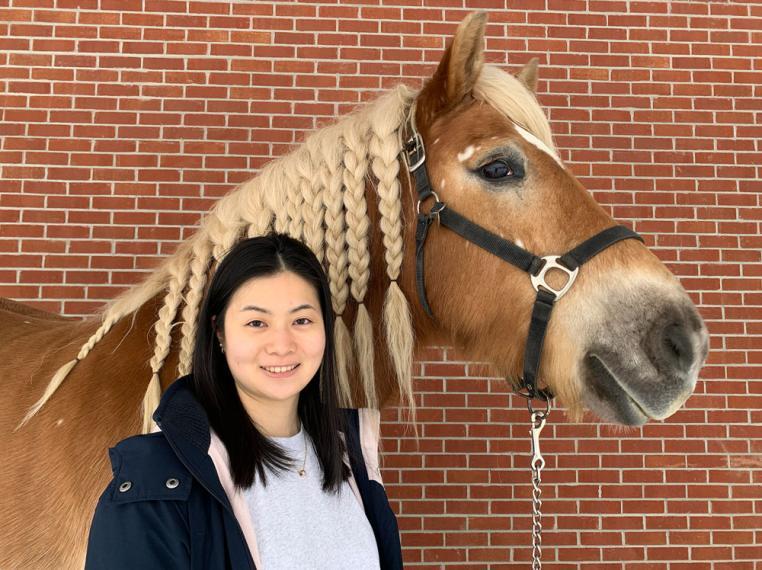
(316, 194)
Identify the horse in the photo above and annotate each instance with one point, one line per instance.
(625, 342)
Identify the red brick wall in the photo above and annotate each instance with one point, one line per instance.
(122, 120)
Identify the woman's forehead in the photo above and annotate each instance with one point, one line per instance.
(281, 292)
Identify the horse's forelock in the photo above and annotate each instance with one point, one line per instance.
(508, 95)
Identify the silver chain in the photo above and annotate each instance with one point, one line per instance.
(538, 462)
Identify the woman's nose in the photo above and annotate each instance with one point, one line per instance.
(281, 341)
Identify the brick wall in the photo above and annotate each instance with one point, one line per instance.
(123, 120)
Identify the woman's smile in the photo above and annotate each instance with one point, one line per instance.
(280, 371)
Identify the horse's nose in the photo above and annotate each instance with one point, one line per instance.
(675, 346)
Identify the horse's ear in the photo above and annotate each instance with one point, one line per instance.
(528, 75)
(458, 70)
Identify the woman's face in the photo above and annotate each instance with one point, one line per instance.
(273, 338)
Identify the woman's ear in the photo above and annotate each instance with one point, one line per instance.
(220, 335)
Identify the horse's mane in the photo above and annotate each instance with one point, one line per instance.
(316, 194)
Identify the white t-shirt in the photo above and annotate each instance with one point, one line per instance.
(298, 525)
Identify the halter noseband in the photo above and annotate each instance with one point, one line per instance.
(536, 266)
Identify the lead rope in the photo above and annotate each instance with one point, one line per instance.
(538, 462)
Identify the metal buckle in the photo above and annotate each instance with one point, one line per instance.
(415, 151)
(551, 262)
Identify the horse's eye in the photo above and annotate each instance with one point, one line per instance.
(496, 170)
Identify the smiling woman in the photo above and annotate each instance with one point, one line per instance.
(252, 446)
(273, 338)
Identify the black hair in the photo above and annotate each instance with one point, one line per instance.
(250, 452)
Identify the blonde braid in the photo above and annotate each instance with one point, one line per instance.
(385, 166)
(178, 269)
(294, 203)
(202, 250)
(330, 176)
(256, 215)
(224, 225)
(356, 213)
(313, 203)
(384, 149)
(274, 197)
(358, 229)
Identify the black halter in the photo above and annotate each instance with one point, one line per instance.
(537, 267)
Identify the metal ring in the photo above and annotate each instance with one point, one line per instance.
(533, 411)
(436, 200)
(126, 486)
(172, 483)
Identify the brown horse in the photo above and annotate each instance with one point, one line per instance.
(625, 342)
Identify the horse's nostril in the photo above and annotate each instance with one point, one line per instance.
(670, 342)
(677, 348)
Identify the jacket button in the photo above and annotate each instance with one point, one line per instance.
(126, 486)
(172, 483)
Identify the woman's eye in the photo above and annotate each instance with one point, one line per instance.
(255, 324)
(496, 170)
(303, 321)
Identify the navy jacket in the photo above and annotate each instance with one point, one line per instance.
(166, 508)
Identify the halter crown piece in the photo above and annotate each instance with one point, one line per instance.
(537, 267)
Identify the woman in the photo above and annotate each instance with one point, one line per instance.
(255, 466)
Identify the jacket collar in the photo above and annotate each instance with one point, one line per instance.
(181, 414)
(185, 425)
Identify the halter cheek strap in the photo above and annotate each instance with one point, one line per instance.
(537, 267)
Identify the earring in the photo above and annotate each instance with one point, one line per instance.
(222, 348)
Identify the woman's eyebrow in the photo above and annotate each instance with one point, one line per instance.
(261, 310)
(301, 307)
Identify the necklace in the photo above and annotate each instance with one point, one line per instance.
(291, 444)
(302, 472)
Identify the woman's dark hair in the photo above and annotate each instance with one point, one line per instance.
(249, 450)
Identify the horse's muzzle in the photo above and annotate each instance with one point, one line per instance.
(640, 372)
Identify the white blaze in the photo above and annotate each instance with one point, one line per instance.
(539, 144)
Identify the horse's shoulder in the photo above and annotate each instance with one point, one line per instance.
(146, 468)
